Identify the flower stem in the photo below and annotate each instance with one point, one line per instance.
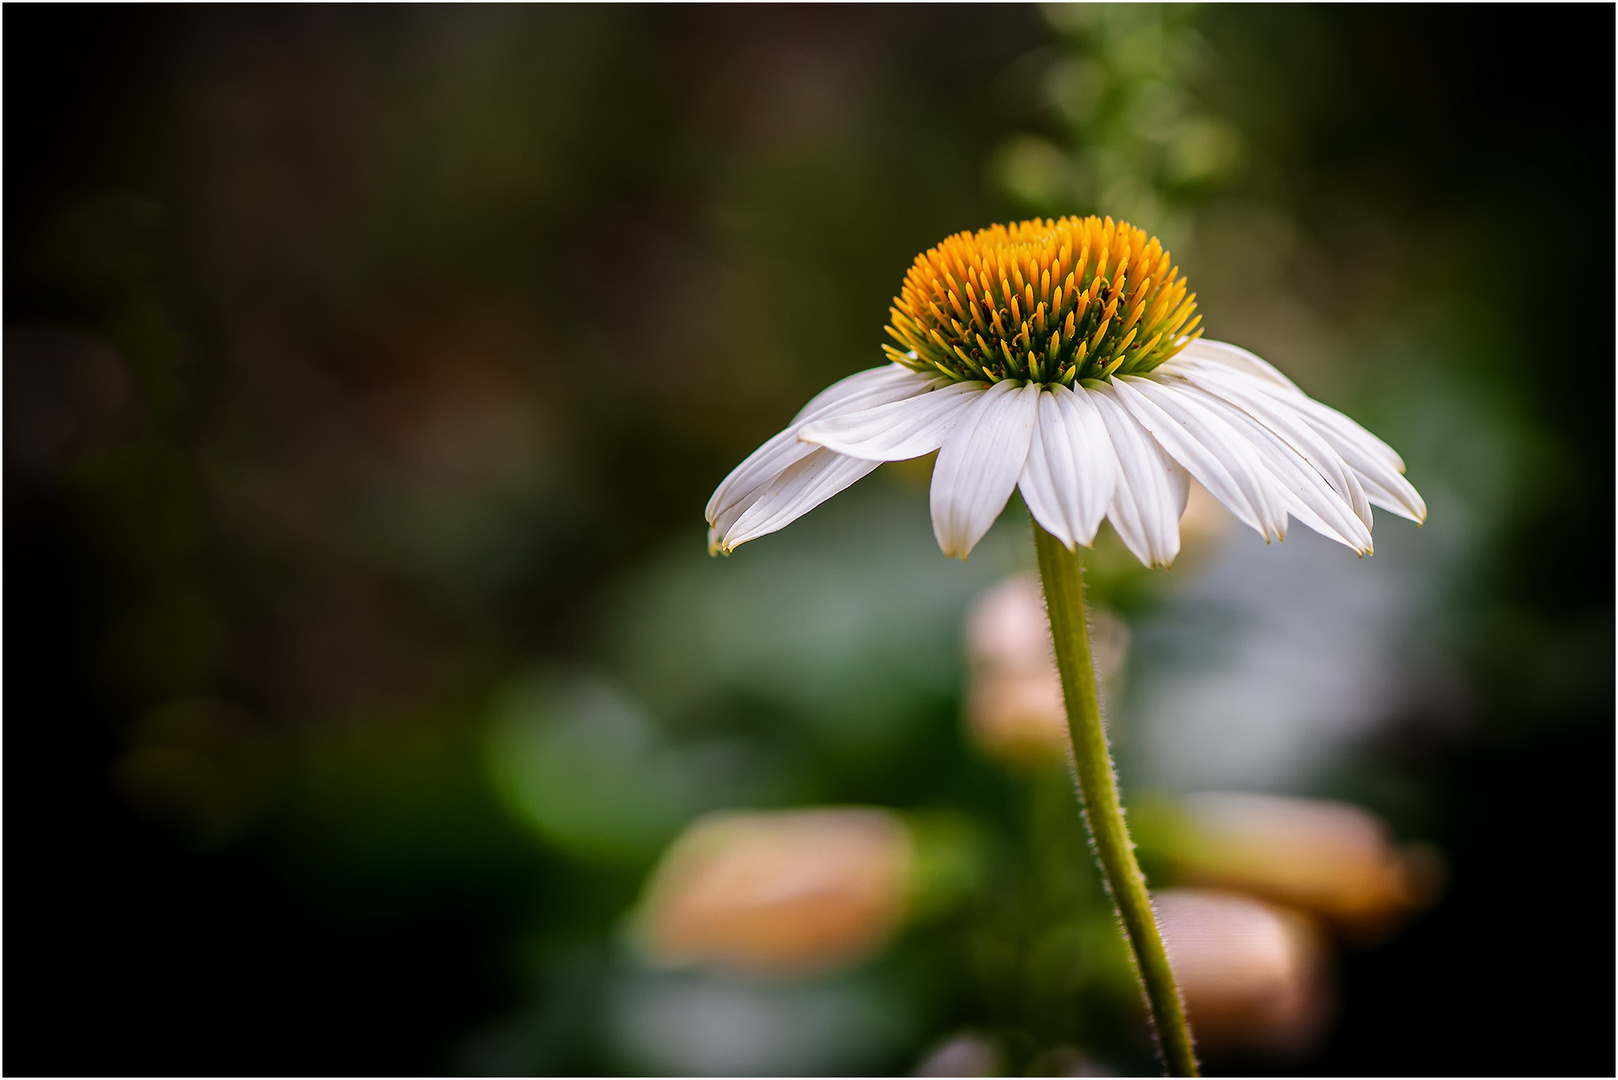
(1098, 790)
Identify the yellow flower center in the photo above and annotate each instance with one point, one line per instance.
(1042, 300)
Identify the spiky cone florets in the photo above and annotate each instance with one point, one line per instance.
(1043, 301)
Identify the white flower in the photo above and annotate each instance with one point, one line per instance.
(1113, 445)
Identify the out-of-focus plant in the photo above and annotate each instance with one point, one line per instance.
(783, 893)
(1014, 709)
(587, 769)
(1260, 877)
(1332, 858)
(1124, 132)
(795, 893)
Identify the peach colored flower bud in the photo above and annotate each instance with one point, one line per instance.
(1253, 975)
(1332, 858)
(1014, 707)
(782, 893)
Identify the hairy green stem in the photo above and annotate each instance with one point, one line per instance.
(1098, 789)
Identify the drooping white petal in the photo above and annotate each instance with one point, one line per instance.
(844, 392)
(1222, 358)
(1372, 462)
(980, 462)
(859, 391)
(1386, 488)
(800, 488)
(1282, 417)
(1151, 491)
(1305, 491)
(1327, 419)
(1233, 358)
(1379, 469)
(1068, 478)
(898, 430)
(1219, 457)
(1219, 358)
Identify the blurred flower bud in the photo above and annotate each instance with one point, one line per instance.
(1331, 858)
(1014, 705)
(1253, 975)
(962, 1054)
(782, 893)
(1068, 1061)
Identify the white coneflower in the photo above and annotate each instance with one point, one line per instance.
(1062, 357)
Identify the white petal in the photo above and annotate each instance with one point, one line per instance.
(1305, 491)
(1390, 491)
(1379, 469)
(1374, 463)
(1218, 358)
(980, 462)
(1339, 428)
(1068, 478)
(1232, 358)
(902, 429)
(1150, 494)
(799, 489)
(862, 382)
(1219, 457)
(1283, 418)
(1384, 485)
(862, 390)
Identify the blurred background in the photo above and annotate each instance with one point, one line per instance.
(372, 704)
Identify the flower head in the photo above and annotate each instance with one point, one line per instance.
(1062, 358)
(1043, 301)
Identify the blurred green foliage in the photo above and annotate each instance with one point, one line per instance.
(1125, 132)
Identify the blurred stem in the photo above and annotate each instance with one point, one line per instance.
(1098, 789)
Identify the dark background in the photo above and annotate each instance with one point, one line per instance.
(276, 215)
